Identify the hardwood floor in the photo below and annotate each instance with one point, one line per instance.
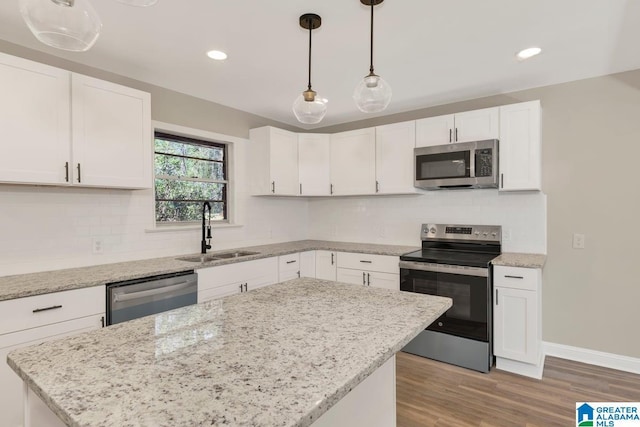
(435, 394)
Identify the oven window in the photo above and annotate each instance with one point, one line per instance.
(469, 315)
(443, 165)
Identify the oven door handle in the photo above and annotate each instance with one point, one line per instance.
(120, 297)
(445, 268)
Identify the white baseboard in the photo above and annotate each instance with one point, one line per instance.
(592, 357)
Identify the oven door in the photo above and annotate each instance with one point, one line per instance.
(468, 287)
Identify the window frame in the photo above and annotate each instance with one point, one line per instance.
(198, 137)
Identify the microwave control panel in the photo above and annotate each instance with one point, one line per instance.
(484, 162)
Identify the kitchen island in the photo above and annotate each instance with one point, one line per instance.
(282, 355)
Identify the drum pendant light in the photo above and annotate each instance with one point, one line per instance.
(72, 25)
(372, 94)
(309, 107)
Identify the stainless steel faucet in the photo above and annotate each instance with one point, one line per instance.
(204, 245)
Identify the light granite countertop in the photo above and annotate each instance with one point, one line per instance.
(24, 285)
(281, 355)
(513, 259)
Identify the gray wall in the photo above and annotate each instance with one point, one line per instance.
(590, 153)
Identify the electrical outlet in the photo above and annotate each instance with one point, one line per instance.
(578, 241)
(97, 246)
(506, 234)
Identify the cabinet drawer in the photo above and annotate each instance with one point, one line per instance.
(516, 277)
(40, 310)
(214, 277)
(287, 263)
(381, 263)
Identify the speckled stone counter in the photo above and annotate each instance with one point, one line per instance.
(512, 259)
(24, 285)
(276, 356)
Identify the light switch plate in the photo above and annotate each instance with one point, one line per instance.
(578, 241)
(97, 245)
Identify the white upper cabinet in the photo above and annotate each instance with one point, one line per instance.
(475, 125)
(353, 162)
(314, 164)
(34, 118)
(111, 134)
(274, 162)
(394, 158)
(434, 131)
(61, 128)
(520, 146)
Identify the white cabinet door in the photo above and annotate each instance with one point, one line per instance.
(383, 280)
(434, 131)
(394, 157)
(347, 275)
(225, 280)
(273, 162)
(314, 164)
(353, 162)
(477, 125)
(11, 397)
(111, 136)
(34, 118)
(326, 264)
(515, 324)
(520, 147)
(308, 264)
(261, 272)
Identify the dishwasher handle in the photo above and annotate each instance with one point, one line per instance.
(121, 297)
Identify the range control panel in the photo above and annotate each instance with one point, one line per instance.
(492, 233)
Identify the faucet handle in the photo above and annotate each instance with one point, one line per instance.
(209, 232)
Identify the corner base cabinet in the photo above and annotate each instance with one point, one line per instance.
(517, 321)
(34, 320)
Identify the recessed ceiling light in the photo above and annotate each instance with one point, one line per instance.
(528, 53)
(218, 55)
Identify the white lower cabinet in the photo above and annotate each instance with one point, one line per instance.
(218, 282)
(288, 267)
(33, 320)
(326, 265)
(517, 325)
(379, 271)
(308, 264)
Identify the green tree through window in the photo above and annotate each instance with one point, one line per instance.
(189, 172)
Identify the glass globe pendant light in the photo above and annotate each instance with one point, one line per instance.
(72, 25)
(373, 93)
(309, 107)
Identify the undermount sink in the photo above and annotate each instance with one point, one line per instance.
(214, 257)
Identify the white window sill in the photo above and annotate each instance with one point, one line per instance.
(190, 227)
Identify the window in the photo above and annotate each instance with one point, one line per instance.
(188, 173)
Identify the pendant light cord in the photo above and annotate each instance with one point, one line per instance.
(310, 29)
(371, 66)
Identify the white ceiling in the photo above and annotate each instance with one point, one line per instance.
(431, 52)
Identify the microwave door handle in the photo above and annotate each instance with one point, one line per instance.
(472, 163)
(120, 297)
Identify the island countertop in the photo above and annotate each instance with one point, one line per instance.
(281, 355)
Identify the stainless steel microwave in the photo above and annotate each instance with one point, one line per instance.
(459, 165)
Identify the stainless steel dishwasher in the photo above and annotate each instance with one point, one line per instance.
(150, 295)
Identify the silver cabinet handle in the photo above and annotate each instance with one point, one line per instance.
(291, 262)
(366, 261)
(377, 187)
(273, 186)
(300, 188)
(66, 171)
(79, 173)
(245, 287)
(497, 297)
(331, 258)
(501, 180)
(53, 307)
(368, 280)
(514, 277)
(241, 288)
(456, 134)
(330, 188)
(364, 282)
(450, 132)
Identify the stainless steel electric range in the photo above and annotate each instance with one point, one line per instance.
(455, 262)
